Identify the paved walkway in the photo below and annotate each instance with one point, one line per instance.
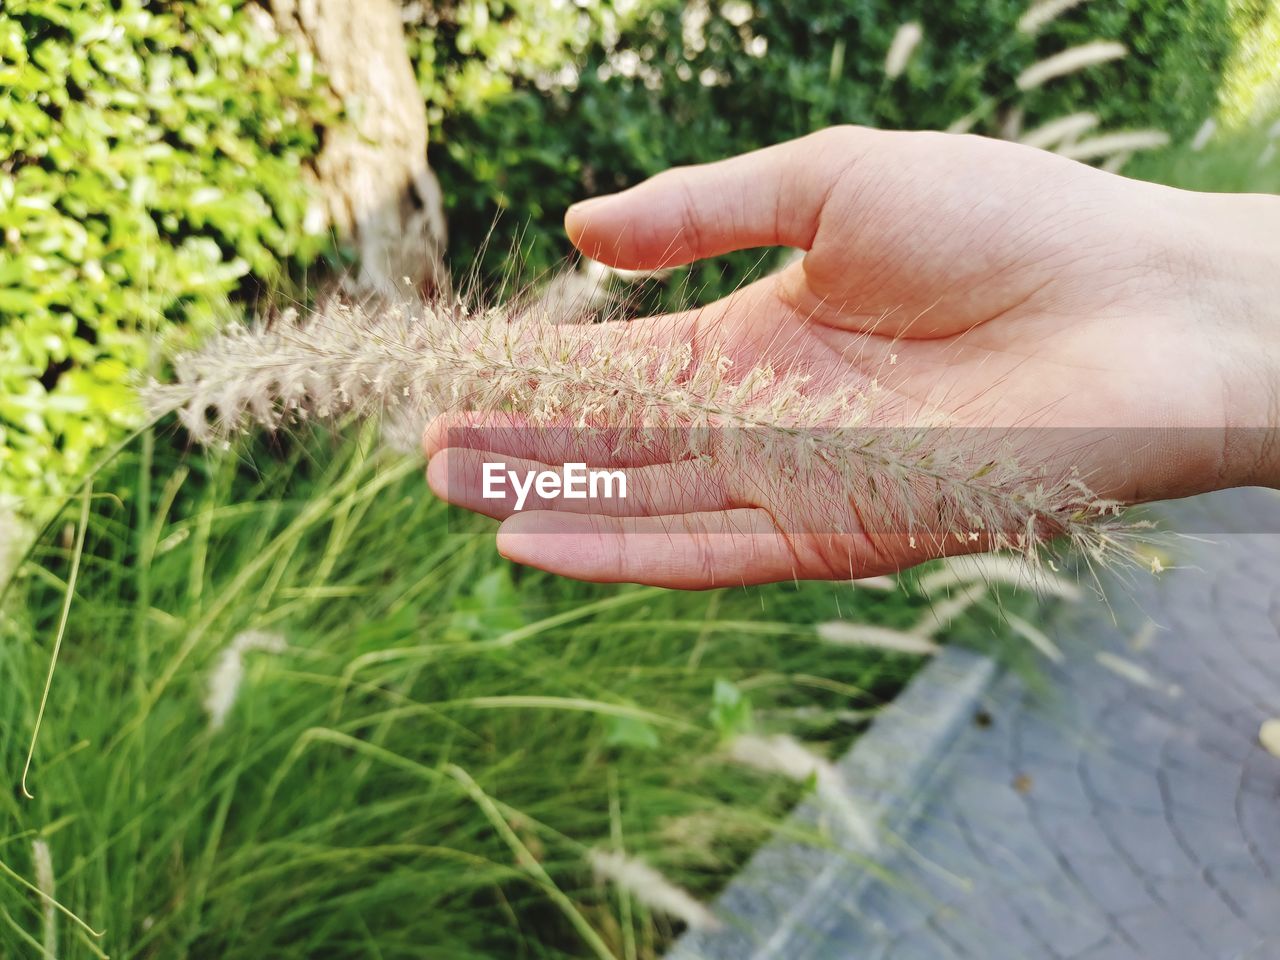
(1123, 811)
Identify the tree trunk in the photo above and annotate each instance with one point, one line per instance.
(380, 194)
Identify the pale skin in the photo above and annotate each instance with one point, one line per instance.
(999, 284)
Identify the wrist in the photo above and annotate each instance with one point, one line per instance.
(1236, 291)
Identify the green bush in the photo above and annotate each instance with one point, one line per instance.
(150, 166)
(613, 98)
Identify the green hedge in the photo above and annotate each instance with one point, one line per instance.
(150, 167)
(637, 103)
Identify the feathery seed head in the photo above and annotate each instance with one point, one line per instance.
(787, 756)
(991, 568)
(1135, 673)
(651, 888)
(846, 634)
(227, 676)
(1113, 144)
(884, 584)
(42, 860)
(1062, 130)
(776, 754)
(1204, 134)
(904, 44)
(1035, 636)
(1269, 735)
(1070, 61)
(407, 362)
(15, 537)
(939, 615)
(1043, 12)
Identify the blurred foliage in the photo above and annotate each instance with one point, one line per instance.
(1251, 88)
(1246, 161)
(320, 821)
(151, 164)
(536, 104)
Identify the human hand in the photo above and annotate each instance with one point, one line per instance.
(999, 285)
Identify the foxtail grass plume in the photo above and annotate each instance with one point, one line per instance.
(1203, 135)
(790, 758)
(884, 584)
(15, 537)
(1011, 123)
(42, 860)
(422, 359)
(581, 290)
(651, 888)
(575, 293)
(1042, 13)
(966, 123)
(939, 615)
(846, 634)
(992, 568)
(1040, 640)
(1112, 144)
(1062, 130)
(402, 431)
(902, 48)
(968, 577)
(1144, 636)
(1269, 736)
(1116, 162)
(1070, 61)
(1135, 673)
(227, 676)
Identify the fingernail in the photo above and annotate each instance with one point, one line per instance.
(583, 207)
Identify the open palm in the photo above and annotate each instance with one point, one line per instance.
(990, 284)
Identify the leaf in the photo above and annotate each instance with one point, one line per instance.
(731, 712)
(631, 732)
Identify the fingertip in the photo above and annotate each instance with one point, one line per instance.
(438, 474)
(435, 435)
(568, 544)
(512, 544)
(637, 229)
(582, 222)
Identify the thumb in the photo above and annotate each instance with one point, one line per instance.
(769, 197)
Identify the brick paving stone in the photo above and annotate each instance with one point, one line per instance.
(1119, 783)
(1114, 887)
(1161, 935)
(1111, 950)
